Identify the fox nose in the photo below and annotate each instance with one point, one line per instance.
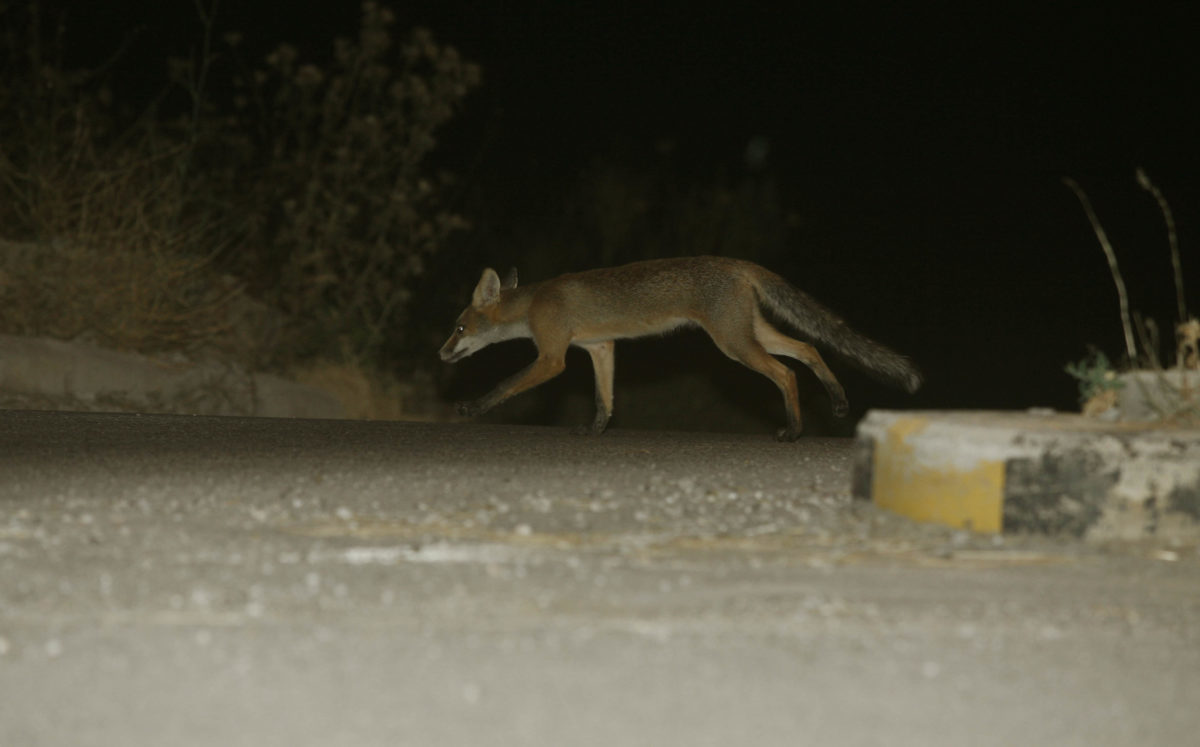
(449, 352)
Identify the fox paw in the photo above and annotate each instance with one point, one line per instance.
(787, 434)
(470, 409)
(595, 429)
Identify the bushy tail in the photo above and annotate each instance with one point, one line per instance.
(822, 325)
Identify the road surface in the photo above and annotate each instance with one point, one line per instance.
(174, 580)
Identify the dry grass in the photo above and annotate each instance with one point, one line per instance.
(114, 256)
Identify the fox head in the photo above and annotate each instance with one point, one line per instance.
(480, 324)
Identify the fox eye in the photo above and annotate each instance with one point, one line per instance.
(460, 329)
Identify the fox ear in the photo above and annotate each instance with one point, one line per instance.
(510, 279)
(488, 289)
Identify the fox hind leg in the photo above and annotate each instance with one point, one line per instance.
(745, 348)
(777, 343)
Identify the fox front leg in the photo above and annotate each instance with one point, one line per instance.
(544, 368)
(602, 363)
(472, 408)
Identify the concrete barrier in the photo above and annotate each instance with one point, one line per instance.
(1036, 471)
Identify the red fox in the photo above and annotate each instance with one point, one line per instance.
(725, 297)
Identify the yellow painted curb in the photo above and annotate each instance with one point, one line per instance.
(921, 487)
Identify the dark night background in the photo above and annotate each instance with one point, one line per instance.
(920, 149)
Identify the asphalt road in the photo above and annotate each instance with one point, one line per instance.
(223, 581)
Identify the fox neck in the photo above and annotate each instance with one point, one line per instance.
(512, 305)
(510, 314)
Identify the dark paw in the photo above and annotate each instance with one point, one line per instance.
(787, 434)
(595, 429)
(840, 409)
(469, 409)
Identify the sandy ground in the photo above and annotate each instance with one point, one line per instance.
(200, 581)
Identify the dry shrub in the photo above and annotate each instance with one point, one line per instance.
(312, 190)
(354, 213)
(114, 262)
(125, 297)
(100, 239)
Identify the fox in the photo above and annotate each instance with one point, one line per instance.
(725, 297)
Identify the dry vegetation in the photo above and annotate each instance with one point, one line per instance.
(1099, 381)
(307, 191)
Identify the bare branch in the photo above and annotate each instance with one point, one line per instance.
(1102, 237)
(1144, 181)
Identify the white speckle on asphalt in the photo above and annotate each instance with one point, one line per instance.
(368, 555)
(445, 552)
(436, 552)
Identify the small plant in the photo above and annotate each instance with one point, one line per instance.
(1098, 382)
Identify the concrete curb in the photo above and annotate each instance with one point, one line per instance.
(1037, 471)
(99, 379)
